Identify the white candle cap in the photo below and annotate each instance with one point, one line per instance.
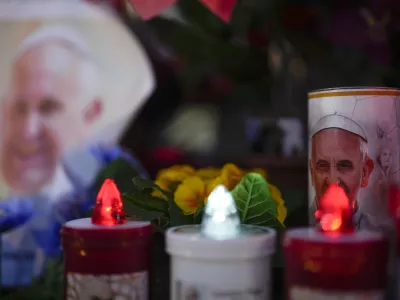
(220, 219)
(189, 241)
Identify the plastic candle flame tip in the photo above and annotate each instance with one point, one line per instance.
(335, 212)
(108, 210)
(220, 219)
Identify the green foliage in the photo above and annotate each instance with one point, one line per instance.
(146, 201)
(176, 216)
(171, 214)
(254, 202)
(143, 184)
(252, 197)
(122, 172)
(256, 207)
(138, 213)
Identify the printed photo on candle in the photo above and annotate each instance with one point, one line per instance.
(354, 141)
(66, 92)
(124, 286)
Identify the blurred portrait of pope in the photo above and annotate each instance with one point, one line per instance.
(339, 154)
(50, 104)
(56, 128)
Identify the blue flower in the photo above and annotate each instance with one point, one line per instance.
(48, 239)
(15, 212)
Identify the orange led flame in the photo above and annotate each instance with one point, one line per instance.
(335, 213)
(108, 210)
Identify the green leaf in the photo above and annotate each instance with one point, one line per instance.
(176, 216)
(254, 203)
(146, 201)
(146, 184)
(122, 172)
(139, 213)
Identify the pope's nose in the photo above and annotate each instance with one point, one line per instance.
(31, 126)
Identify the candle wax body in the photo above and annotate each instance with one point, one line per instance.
(209, 269)
(347, 266)
(106, 262)
(398, 257)
(214, 279)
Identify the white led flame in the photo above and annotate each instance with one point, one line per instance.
(220, 219)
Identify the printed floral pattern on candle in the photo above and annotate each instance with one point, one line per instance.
(107, 287)
(303, 293)
(188, 291)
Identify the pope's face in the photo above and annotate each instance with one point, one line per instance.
(337, 158)
(42, 115)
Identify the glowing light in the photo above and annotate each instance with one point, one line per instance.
(220, 219)
(335, 212)
(331, 222)
(108, 210)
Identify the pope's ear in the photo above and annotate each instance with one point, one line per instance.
(311, 167)
(367, 170)
(93, 110)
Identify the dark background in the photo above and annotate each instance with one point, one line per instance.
(250, 74)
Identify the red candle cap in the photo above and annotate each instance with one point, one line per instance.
(108, 210)
(335, 213)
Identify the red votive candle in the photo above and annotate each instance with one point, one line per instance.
(107, 257)
(394, 210)
(337, 265)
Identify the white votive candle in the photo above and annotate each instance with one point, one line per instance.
(217, 261)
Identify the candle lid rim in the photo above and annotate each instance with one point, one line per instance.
(351, 89)
(86, 224)
(199, 246)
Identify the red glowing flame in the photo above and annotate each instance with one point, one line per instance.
(334, 213)
(108, 209)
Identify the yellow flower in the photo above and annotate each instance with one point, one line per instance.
(161, 184)
(190, 195)
(210, 186)
(231, 175)
(282, 213)
(168, 179)
(276, 195)
(176, 173)
(208, 174)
